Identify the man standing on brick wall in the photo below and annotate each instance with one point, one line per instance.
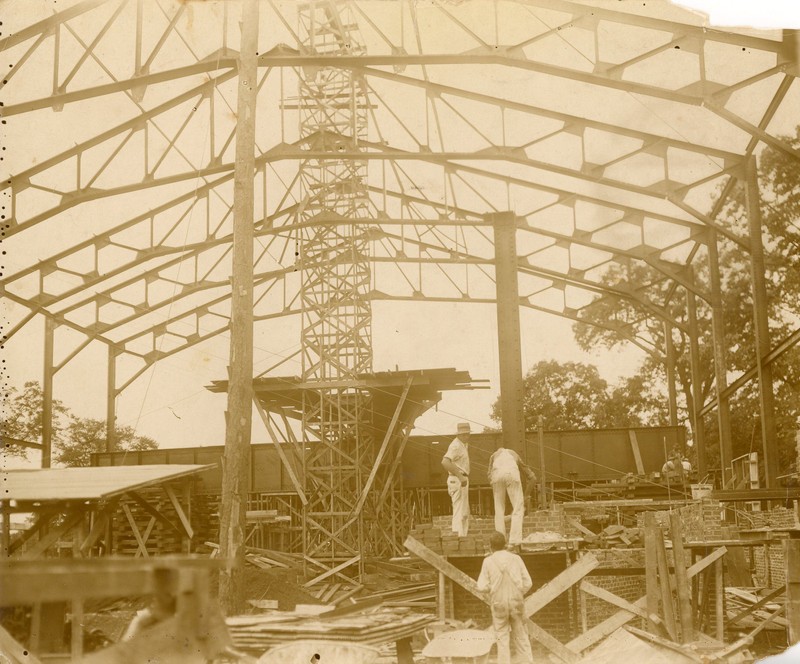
(504, 576)
(504, 467)
(456, 463)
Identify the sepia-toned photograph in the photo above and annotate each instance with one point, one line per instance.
(400, 331)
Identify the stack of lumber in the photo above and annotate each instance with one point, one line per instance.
(417, 596)
(751, 607)
(610, 537)
(264, 558)
(257, 633)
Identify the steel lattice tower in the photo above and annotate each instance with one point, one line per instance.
(333, 256)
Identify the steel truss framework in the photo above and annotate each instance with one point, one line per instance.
(614, 136)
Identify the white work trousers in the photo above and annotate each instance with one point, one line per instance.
(503, 484)
(508, 620)
(460, 497)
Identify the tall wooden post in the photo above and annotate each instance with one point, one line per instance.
(236, 459)
(761, 319)
(47, 393)
(542, 478)
(791, 556)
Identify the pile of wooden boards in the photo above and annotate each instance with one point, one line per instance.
(610, 537)
(373, 625)
(748, 607)
(264, 558)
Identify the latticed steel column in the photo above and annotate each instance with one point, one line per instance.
(335, 280)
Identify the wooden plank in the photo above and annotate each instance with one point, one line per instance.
(791, 553)
(559, 584)
(651, 565)
(76, 641)
(187, 527)
(665, 584)
(748, 638)
(764, 600)
(449, 570)
(440, 597)
(701, 564)
(588, 534)
(637, 454)
(619, 602)
(298, 487)
(555, 646)
(666, 643)
(10, 646)
(681, 579)
(622, 617)
(101, 520)
(332, 571)
(42, 521)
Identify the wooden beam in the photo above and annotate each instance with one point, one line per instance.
(666, 643)
(791, 553)
(10, 646)
(132, 522)
(53, 536)
(152, 511)
(757, 605)
(665, 584)
(42, 521)
(637, 454)
(681, 579)
(101, 520)
(619, 602)
(651, 565)
(187, 526)
(559, 584)
(448, 569)
(551, 643)
(701, 564)
(622, 617)
(384, 446)
(748, 638)
(550, 591)
(281, 454)
(333, 570)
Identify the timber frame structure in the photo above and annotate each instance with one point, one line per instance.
(401, 153)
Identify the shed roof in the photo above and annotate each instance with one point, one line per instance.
(67, 484)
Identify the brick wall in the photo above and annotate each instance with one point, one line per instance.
(701, 520)
(627, 586)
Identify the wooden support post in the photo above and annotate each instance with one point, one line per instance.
(441, 606)
(76, 625)
(719, 599)
(239, 413)
(791, 552)
(542, 478)
(6, 538)
(681, 579)
(667, 608)
(651, 565)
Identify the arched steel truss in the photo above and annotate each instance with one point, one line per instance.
(613, 136)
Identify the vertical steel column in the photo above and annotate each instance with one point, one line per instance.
(47, 393)
(235, 485)
(508, 335)
(720, 359)
(111, 401)
(669, 362)
(761, 326)
(698, 425)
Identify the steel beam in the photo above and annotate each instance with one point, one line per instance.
(111, 400)
(761, 325)
(698, 424)
(669, 364)
(720, 358)
(47, 392)
(508, 333)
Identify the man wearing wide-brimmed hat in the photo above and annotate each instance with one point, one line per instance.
(456, 463)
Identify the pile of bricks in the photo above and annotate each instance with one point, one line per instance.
(439, 537)
(701, 520)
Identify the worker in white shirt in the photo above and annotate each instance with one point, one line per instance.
(504, 467)
(504, 576)
(456, 463)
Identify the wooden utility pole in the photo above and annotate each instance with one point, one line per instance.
(238, 417)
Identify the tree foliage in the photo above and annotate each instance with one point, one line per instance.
(573, 395)
(74, 438)
(613, 320)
